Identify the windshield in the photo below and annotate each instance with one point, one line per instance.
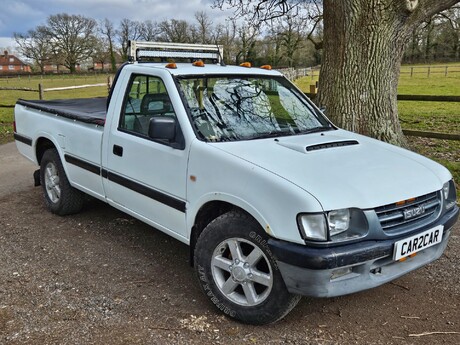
(226, 108)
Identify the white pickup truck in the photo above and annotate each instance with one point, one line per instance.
(273, 200)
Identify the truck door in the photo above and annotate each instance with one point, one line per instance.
(147, 178)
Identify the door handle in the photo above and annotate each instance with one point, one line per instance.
(117, 150)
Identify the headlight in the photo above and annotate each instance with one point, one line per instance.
(334, 226)
(445, 189)
(339, 221)
(449, 194)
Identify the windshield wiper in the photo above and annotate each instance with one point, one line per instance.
(317, 129)
(270, 135)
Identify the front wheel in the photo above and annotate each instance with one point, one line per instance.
(60, 197)
(238, 273)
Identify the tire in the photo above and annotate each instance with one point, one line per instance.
(60, 197)
(238, 273)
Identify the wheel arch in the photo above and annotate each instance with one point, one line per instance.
(41, 146)
(207, 213)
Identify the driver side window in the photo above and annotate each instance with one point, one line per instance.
(146, 97)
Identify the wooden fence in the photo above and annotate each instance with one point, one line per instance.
(41, 91)
(296, 73)
(419, 98)
(427, 71)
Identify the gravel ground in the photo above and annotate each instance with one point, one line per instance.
(101, 277)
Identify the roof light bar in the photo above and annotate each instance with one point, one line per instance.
(139, 50)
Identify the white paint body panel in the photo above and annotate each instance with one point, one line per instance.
(151, 164)
(366, 175)
(78, 139)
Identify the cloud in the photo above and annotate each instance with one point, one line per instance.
(7, 43)
(16, 14)
(23, 15)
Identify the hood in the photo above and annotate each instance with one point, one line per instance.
(342, 169)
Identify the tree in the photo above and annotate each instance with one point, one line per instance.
(204, 27)
(72, 37)
(226, 36)
(290, 32)
(149, 31)
(413, 51)
(35, 45)
(129, 30)
(101, 52)
(273, 49)
(245, 44)
(175, 30)
(364, 42)
(315, 15)
(445, 35)
(436, 39)
(360, 70)
(108, 31)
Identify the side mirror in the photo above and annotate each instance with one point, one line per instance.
(162, 128)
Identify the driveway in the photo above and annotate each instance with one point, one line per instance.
(102, 277)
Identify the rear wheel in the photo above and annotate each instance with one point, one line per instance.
(60, 197)
(238, 273)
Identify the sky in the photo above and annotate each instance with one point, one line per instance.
(23, 15)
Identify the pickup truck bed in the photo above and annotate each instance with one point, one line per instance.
(88, 110)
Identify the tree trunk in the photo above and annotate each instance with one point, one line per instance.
(429, 31)
(364, 42)
(113, 62)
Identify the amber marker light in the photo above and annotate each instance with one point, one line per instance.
(402, 259)
(246, 64)
(198, 63)
(403, 202)
(171, 65)
(267, 67)
(412, 255)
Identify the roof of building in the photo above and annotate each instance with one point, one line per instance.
(5, 60)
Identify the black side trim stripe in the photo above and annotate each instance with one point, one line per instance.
(134, 186)
(148, 192)
(82, 164)
(23, 139)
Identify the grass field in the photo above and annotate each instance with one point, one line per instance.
(433, 116)
(428, 116)
(10, 97)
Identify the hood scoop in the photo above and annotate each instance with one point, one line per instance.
(306, 144)
(332, 144)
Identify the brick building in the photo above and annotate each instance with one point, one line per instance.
(56, 68)
(11, 64)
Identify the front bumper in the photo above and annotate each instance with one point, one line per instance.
(336, 271)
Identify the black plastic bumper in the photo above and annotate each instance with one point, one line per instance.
(334, 257)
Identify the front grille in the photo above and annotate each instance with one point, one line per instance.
(394, 217)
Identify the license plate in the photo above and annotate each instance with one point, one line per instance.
(418, 242)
